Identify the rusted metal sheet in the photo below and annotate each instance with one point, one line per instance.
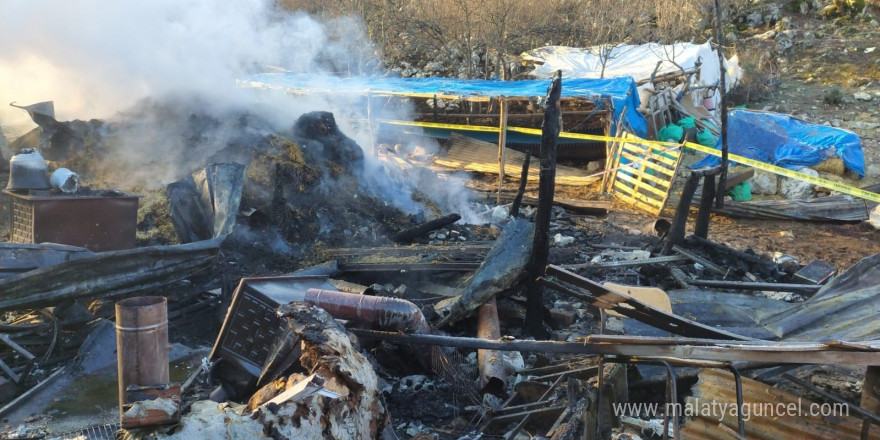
(716, 386)
(98, 223)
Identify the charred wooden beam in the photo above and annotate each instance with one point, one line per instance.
(676, 233)
(411, 234)
(701, 229)
(741, 285)
(523, 180)
(871, 390)
(627, 263)
(588, 207)
(546, 188)
(27, 355)
(112, 274)
(407, 267)
(478, 249)
(504, 267)
(679, 221)
(698, 259)
(812, 353)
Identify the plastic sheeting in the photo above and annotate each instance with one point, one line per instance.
(638, 62)
(621, 91)
(788, 142)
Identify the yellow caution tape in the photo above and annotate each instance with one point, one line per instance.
(825, 183)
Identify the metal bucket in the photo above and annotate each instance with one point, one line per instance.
(659, 227)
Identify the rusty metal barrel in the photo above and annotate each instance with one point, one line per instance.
(141, 343)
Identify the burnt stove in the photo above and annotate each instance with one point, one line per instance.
(96, 220)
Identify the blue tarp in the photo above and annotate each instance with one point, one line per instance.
(621, 91)
(787, 142)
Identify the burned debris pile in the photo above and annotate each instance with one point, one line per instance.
(318, 308)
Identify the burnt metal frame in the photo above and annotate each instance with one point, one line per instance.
(27, 355)
(671, 388)
(672, 391)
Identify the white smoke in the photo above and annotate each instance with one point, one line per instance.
(96, 58)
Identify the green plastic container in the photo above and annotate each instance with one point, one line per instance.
(741, 192)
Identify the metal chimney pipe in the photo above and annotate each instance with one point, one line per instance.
(380, 311)
(141, 343)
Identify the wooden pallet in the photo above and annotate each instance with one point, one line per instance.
(643, 175)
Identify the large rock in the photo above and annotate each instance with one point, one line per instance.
(785, 41)
(764, 183)
(795, 189)
(754, 19)
(809, 39)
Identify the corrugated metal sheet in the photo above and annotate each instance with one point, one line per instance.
(719, 386)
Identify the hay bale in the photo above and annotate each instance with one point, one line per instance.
(832, 166)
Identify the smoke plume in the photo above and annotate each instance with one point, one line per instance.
(99, 59)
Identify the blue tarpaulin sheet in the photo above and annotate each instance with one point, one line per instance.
(621, 91)
(787, 142)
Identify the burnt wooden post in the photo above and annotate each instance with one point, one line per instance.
(523, 180)
(546, 188)
(408, 235)
(502, 142)
(679, 222)
(722, 183)
(701, 229)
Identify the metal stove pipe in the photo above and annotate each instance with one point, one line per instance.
(387, 313)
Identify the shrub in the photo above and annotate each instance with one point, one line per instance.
(833, 96)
